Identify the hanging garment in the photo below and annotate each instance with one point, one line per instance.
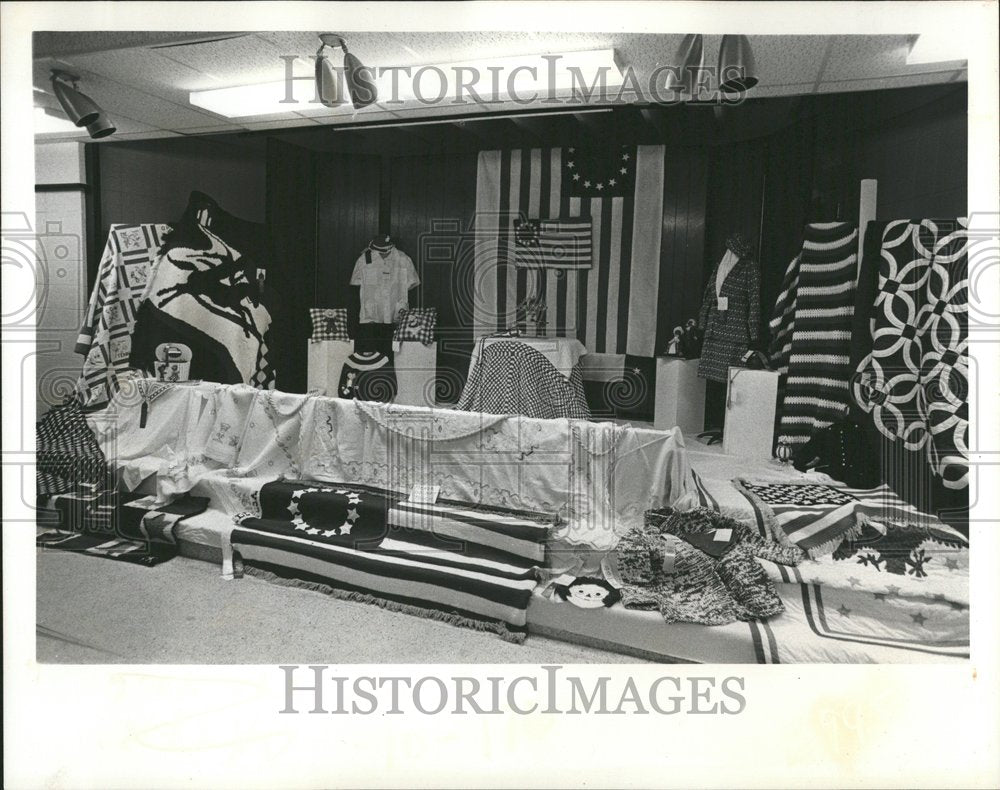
(914, 381)
(206, 294)
(513, 378)
(816, 392)
(712, 577)
(106, 335)
(730, 311)
(368, 375)
(386, 278)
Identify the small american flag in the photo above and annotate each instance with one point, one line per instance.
(553, 243)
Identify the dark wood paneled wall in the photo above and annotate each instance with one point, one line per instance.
(431, 206)
(291, 220)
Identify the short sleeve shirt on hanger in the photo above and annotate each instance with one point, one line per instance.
(384, 283)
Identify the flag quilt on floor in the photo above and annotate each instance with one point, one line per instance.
(105, 338)
(818, 518)
(127, 527)
(468, 566)
(524, 195)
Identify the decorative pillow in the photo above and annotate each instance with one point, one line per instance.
(329, 323)
(416, 323)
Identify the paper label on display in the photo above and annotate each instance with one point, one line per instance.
(723, 535)
(723, 303)
(422, 494)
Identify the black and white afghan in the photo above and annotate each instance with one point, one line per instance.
(206, 292)
(466, 566)
(816, 393)
(914, 380)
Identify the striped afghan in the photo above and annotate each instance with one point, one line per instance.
(466, 566)
(816, 393)
(782, 322)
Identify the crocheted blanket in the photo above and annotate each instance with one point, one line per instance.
(818, 364)
(126, 527)
(914, 381)
(818, 518)
(446, 561)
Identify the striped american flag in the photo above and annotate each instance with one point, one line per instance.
(609, 306)
(553, 243)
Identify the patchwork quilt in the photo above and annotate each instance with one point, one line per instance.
(470, 567)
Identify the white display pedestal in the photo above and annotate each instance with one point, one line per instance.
(415, 364)
(680, 396)
(416, 373)
(751, 401)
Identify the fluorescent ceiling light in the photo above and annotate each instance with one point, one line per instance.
(939, 48)
(50, 124)
(490, 80)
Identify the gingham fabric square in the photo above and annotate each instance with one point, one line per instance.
(416, 323)
(329, 323)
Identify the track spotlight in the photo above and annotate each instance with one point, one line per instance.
(737, 69)
(79, 107)
(689, 60)
(360, 80)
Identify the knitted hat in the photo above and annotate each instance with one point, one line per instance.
(739, 245)
(381, 243)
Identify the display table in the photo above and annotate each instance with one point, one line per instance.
(225, 441)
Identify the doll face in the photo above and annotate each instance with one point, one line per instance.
(587, 596)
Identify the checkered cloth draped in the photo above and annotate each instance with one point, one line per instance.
(329, 323)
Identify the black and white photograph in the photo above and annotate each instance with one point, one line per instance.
(502, 360)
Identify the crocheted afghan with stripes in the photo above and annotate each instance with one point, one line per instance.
(816, 393)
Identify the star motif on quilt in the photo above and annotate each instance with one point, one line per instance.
(843, 611)
(918, 618)
(854, 581)
(312, 531)
(352, 514)
(893, 590)
(353, 499)
(345, 528)
(951, 564)
(331, 533)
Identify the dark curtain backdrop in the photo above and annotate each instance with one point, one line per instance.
(291, 222)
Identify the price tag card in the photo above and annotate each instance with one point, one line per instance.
(422, 494)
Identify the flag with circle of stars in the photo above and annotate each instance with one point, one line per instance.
(594, 172)
(324, 512)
